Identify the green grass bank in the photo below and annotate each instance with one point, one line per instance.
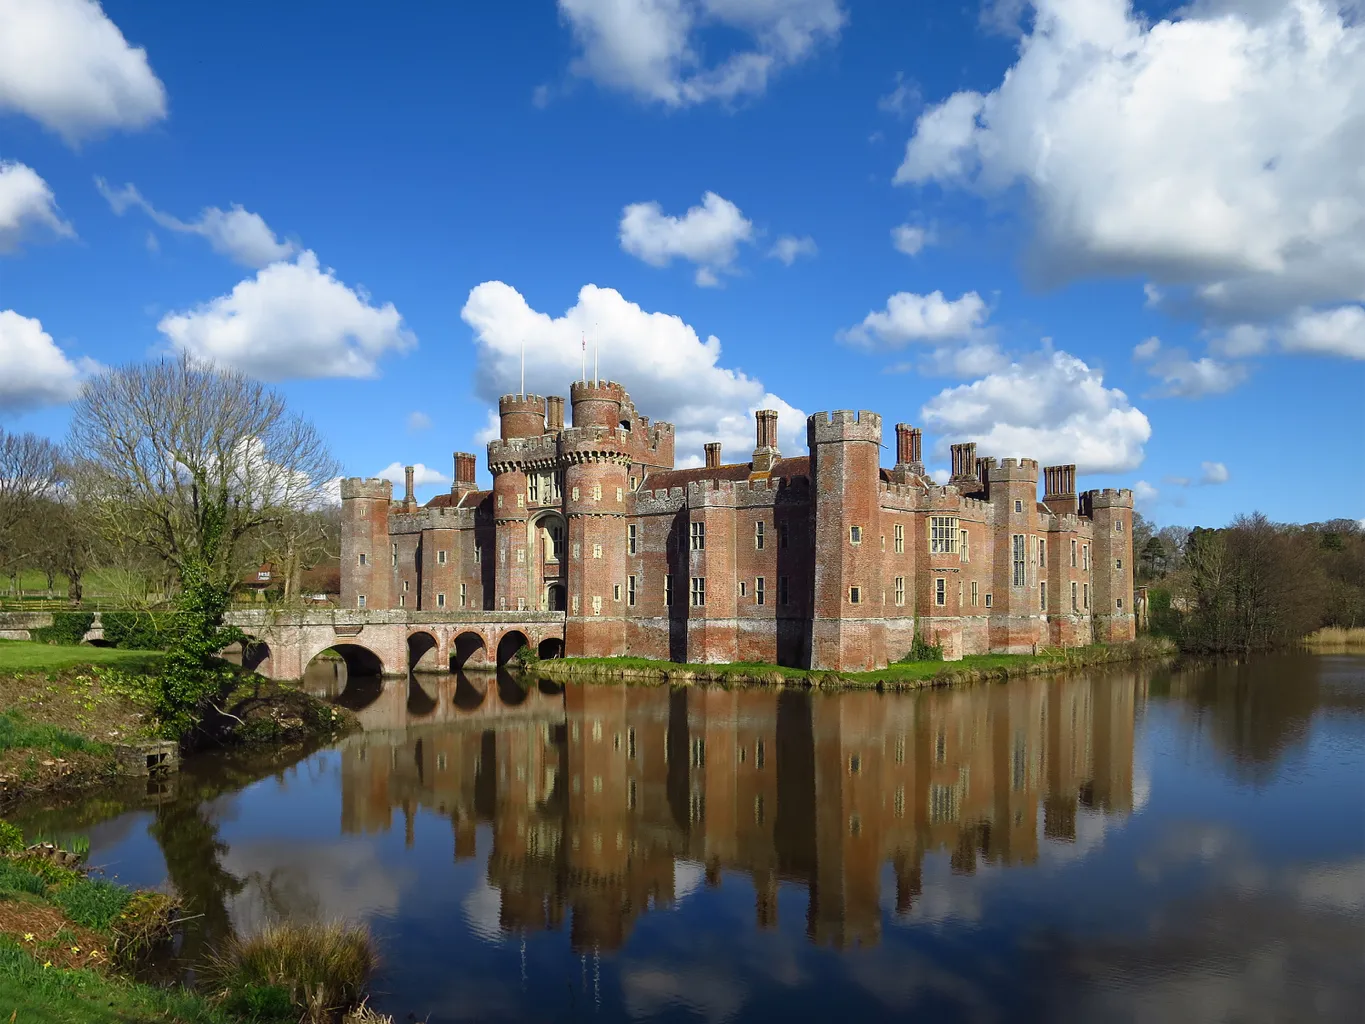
(900, 676)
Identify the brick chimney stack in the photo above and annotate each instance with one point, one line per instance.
(554, 414)
(409, 499)
(1059, 489)
(713, 455)
(465, 466)
(908, 440)
(765, 451)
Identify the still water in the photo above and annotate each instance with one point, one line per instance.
(1139, 845)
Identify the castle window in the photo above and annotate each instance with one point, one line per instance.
(462, 595)
(758, 535)
(1073, 596)
(533, 487)
(1118, 563)
(1118, 603)
(698, 536)
(1042, 596)
(521, 501)
(668, 591)
(521, 604)
(478, 554)
(618, 494)
(630, 539)
(1042, 551)
(596, 492)
(1085, 595)
(630, 591)
(782, 590)
(855, 534)
(632, 483)
(574, 492)
(959, 595)
(597, 604)
(743, 588)
(405, 586)
(973, 593)
(782, 535)
(942, 535)
(597, 551)
(1073, 552)
(402, 601)
(521, 554)
(988, 600)
(556, 486)
(698, 591)
(760, 586)
(1017, 541)
(900, 590)
(616, 591)
(963, 548)
(395, 555)
(440, 558)
(440, 600)
(940, 591)
(1018, 505)
(577, 549)
(1118, 525)
(1085, 556)
(898, 538)
(499, 501)
(360, 600)
(363, 559)
(575, 604)
(855, 595)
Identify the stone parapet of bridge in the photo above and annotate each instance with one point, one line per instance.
(390, 641)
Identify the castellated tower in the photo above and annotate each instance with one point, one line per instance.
(367, 570)
(596, 455)
(522, 419)
(1111, 566)
(848, 631)
(1016, 621)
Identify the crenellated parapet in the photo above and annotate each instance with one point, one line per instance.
(523, 453)
(1107, 497)
(521, 415)
(363, 487)
(1013, 471)
(844, 425)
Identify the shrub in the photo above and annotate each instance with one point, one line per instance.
(11, 837)
(322, 967)
(67, 629)
(922, 650)
(138, 631)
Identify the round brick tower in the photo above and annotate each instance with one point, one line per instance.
(596, 403)
(521, 415)
(596, 494)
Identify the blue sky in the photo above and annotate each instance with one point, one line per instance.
(804, 204)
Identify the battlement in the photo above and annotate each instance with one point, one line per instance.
(843, 425)
(1007, 470)
(1107, 497)
(607, 390)
(362, 487)
(521, 403)
(521, 415)
(538, 452)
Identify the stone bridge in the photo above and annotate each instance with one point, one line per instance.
(390, 642)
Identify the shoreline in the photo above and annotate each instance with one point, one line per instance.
(894, 678)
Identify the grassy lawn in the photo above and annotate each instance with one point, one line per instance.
(907, 672)
(26, 656)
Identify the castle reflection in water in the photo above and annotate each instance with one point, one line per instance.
(595, 793)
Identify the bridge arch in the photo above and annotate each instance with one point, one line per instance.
(468, 695)
(550, 647)
(423, 651)
(359, 659)
(512, 641)
(469, 650)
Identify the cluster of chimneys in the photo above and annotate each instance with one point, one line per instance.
(765, 448)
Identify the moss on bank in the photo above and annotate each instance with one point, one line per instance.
(902, 675)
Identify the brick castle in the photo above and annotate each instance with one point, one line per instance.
(826, 561)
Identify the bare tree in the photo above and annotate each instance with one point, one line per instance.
(188, 462)
(29, 471)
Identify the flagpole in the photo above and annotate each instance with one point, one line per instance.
(523, 367)
(596, 352)
(585, 357)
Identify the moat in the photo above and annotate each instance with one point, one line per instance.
(1141, 844)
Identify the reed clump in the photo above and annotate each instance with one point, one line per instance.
(1336, 638)
(322, 969)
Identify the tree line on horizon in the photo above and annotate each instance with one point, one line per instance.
(1252, 585)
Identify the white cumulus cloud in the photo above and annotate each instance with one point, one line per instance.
(909, 317)
(653, 49)
(33, 370)
(1337, 332)
(789, 248)
(1050, 406)
(1217, 151)
(422, 476)
(708, 235)
(418, 421)
(909, 238)
(670, 371)
(67, 66)
(1145, 494)
(1182, 376)
(26, 202)
(242, 236)
(293, 319)
(1213, 473)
